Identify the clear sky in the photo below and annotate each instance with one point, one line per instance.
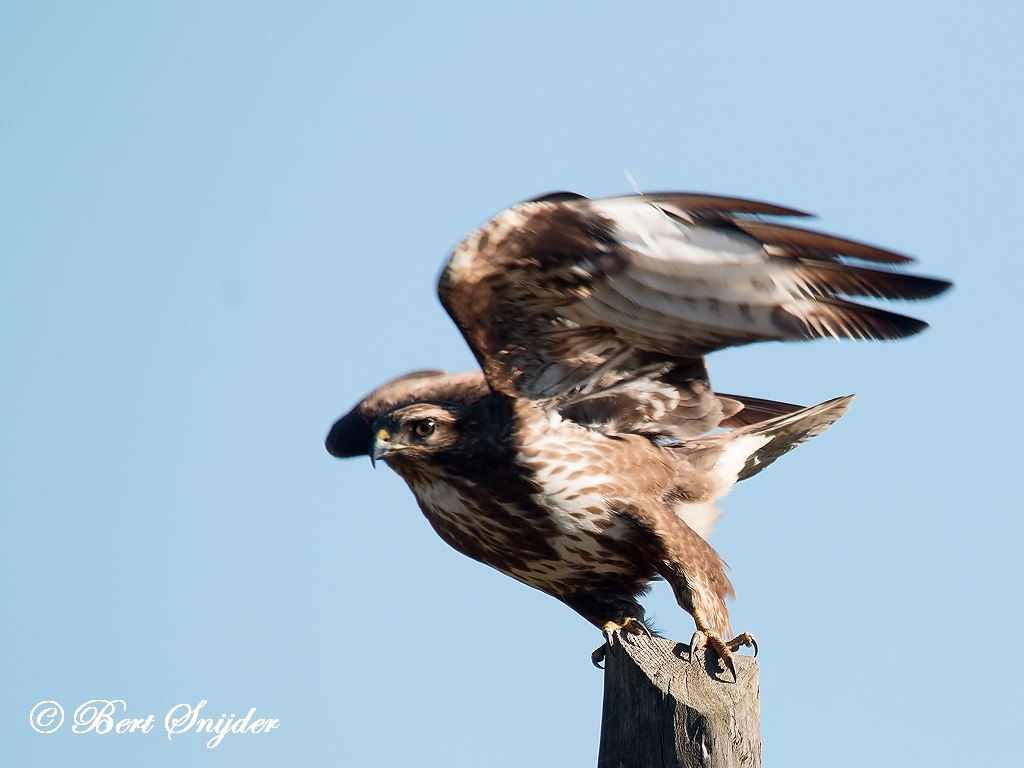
(220, 225)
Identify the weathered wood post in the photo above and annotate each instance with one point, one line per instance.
(663, 711)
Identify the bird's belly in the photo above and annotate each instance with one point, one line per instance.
(555, 550)
(584, 561)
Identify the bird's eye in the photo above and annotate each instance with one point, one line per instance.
(425, 428)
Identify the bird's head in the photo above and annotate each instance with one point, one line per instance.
(415, 433)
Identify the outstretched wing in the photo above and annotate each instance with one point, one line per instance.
(603, 308)
(351, 435)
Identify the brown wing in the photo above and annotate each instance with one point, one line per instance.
(351, 434)
(596, 305)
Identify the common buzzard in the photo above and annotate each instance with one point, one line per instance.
(586, 457)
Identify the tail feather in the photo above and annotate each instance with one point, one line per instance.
(785, 433)
(740, 410)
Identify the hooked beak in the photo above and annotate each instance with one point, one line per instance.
(380, 447)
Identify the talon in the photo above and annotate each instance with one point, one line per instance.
(696, 643)
(725, 650)
(742, 639)
(728, 664)
(722, 649)
(629, 625)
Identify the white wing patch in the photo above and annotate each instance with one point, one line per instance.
(702, 516)
(712, 285)
(649, 231)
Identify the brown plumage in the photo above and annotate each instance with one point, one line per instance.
(582, 459)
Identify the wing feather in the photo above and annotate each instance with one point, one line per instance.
(566, 300)
(805, 242)
(688, 204)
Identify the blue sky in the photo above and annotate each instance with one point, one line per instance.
(220, 225)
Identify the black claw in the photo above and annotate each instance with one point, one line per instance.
(693, 646)
(598, 656)
(728, 663)
(753, 642)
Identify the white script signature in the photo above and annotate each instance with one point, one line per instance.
(98, 716)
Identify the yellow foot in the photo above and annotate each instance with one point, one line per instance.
(724, 650)
(629, 625)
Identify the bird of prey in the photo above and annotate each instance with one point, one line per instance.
(586, 456)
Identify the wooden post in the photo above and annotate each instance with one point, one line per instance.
(662, 711)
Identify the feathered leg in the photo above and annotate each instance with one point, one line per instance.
(697, 576)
